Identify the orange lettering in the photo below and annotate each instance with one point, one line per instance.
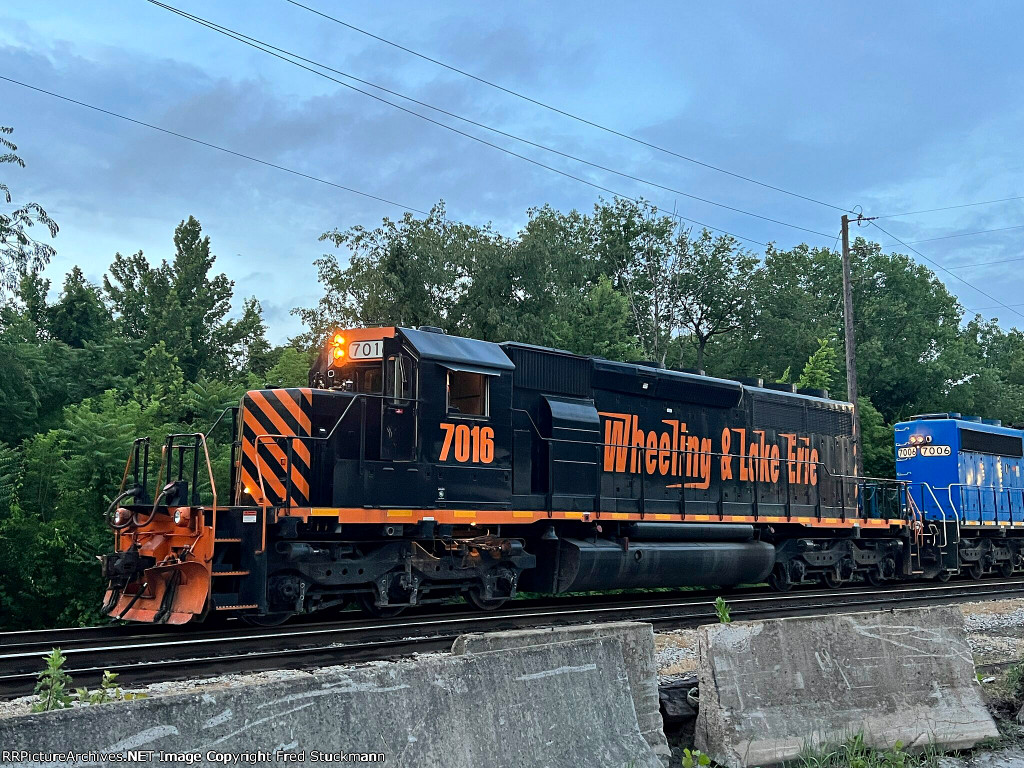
(449, 430)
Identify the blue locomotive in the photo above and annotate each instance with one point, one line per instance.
(965, 481)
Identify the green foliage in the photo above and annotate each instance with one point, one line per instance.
(723, 611)
(180, 305)
(1015, 681)
(694, 758)
(53, 684)
(291, 369)
(876, 441)
(109, 690)
(19, 251)
(602, 325)
(821, 367)
(856, 754)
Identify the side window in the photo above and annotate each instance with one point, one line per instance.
(467, 393)
(401, 378)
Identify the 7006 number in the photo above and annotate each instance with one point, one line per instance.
(471, 444)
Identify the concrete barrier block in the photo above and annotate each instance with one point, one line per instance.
(769, 689)
(637, 641)
(561, 705)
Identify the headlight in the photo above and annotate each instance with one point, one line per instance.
(177, 517)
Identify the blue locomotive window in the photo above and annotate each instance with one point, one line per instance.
(467, 393)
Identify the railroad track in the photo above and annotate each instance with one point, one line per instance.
(145, 654)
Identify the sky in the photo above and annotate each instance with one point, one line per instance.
(891, 107)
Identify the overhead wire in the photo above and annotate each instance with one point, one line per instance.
(947, 270)
(211, 145)
(566, 113)
(950, 207)
(295, 61)
(967, 234)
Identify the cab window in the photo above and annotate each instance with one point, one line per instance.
(401, 378)
(467, 393)
(373, 381)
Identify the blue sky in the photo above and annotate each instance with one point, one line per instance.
(890, 106)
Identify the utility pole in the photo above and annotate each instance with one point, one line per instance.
(851, 351)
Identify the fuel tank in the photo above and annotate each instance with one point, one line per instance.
(585, 565)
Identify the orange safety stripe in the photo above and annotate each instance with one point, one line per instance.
(524, 517)
(293, 408)
(283, 427)
(275, 450)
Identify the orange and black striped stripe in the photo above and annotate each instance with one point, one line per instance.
(267, 413)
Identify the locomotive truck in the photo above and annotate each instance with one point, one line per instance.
(419, 466)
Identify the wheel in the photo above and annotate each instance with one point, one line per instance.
(943, 576)
(874, 577)
(1006, 569)
(976, 571)
(484, 604)
(779, 579)
(267, 619)
(371, 608)
(831, 580)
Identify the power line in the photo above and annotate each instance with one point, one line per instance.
(566, 113)
(948, 207)
(256, 42)
(967, 234)
(988, 263)
(213, 146)
(284, 55)
(995, 306)
(946, 270)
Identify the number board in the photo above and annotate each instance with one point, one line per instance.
(366, 350)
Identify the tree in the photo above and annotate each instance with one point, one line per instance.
(636, 247)
(79, 316)
(402, 273)
(714, 285)
(602, 325)
(19, 251)
(182, 305)
(821, 367)
(291, 369)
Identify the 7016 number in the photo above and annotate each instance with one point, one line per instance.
(472, 444)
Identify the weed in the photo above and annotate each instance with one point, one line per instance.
(695, 758)
(856, 754)
(723, 610)
(1015, 681)
(53, 684)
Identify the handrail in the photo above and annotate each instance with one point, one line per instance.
(995, 490)
(259, 465)
(942, 509)
(685, 452)
(826, 472)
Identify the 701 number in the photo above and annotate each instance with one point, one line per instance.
(475, 444)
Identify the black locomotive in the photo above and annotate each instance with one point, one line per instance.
(418, 466)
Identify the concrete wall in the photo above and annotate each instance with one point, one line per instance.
(557, 705)
(637, 649)
(770, 688)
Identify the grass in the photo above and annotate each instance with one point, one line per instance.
(856, 754)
